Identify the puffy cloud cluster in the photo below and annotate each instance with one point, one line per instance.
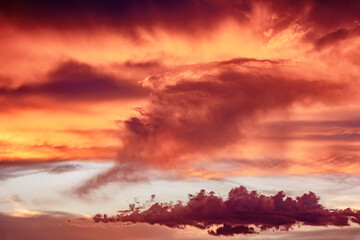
(243, 212)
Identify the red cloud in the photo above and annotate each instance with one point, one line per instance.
(203, 116)
(74, 81)
(243, 212)
(204, 112)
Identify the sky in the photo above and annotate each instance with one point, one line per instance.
(193, 119)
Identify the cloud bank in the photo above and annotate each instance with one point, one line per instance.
(242, 212)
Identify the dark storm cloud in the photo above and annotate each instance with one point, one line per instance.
(325, 21)
(73, 81)
(243, 212)
(121, 15)
(336, 36)
(322, 17)
(318, 14)
(334, 13)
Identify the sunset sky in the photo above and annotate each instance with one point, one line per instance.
(191, 119)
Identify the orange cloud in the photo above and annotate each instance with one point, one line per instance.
(204, 77)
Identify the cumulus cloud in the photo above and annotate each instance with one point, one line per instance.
(200, 109)
(242, 212)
